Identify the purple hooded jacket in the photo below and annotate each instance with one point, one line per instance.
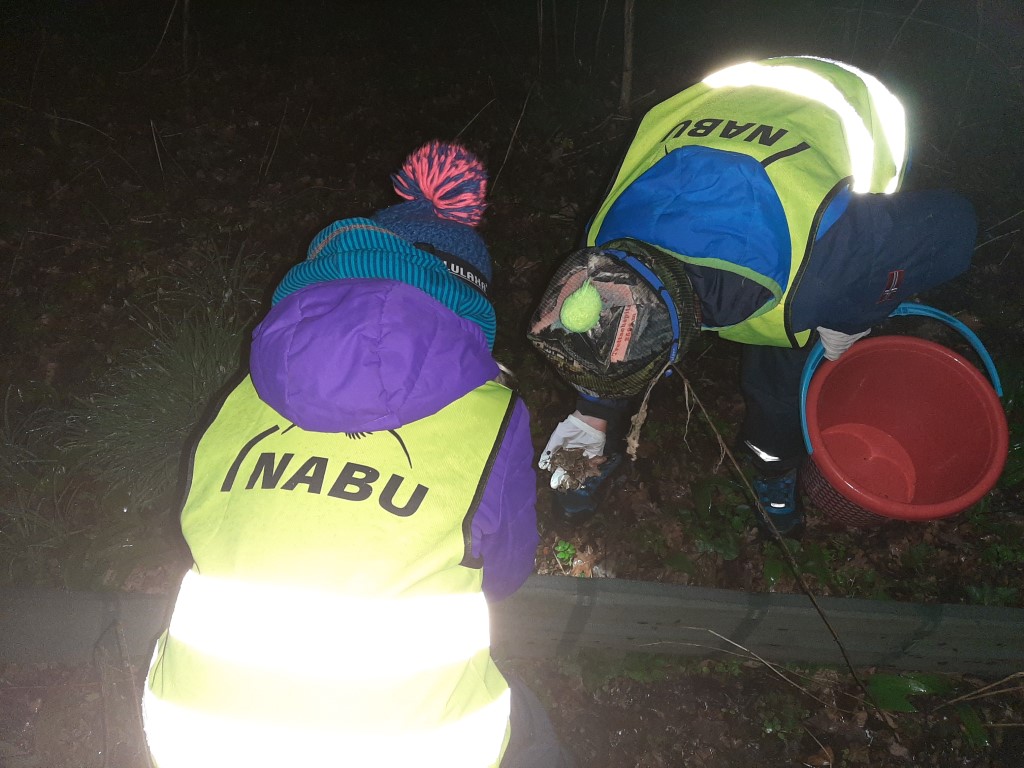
(363, 355)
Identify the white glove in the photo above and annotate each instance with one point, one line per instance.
(571, 433)
(835, 343)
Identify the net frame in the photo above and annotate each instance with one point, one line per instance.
(649, 319)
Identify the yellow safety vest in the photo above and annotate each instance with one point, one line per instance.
(334, 615)
(816, 126)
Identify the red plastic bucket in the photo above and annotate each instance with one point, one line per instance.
(900, 427)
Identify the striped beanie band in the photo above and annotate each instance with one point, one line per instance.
(360, 248)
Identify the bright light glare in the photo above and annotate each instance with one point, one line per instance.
(809, 85)
(292, 630)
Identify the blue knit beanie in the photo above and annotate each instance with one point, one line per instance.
(445, 186)
(429, 241)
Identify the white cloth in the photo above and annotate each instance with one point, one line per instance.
(835, 343)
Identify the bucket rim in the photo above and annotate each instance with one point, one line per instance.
(880, 505)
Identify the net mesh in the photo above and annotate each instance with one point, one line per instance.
(632, 340)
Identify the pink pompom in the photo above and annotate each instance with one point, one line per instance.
(450, 177)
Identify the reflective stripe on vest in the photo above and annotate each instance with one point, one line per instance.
(815, 126)
(860, 137)
(334, 599)
(197, 739)
(246, 623)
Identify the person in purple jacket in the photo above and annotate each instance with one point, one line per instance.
(370, 482)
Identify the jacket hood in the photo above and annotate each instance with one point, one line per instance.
(364, 355)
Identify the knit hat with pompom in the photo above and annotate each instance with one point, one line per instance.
(445, 185)
(429, 241)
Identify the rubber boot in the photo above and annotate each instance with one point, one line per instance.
(780, 499)
(579, 505)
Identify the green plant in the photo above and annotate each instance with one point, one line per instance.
(775, 566)
(39, 499)
(52, 537)
(720, 517)
(30, 538)
(26, 437)
(133, 429)
(649, 540)
(990, 594)
(827, 564)
(918, 558)
(818, 561)
(596, 668)
(892, 692)
(58, 528)
(973, 729)
(1001, 555)
(204, 279)
(565, 551)
(781, 715)
(856, 581)
(722, 667)
(677, 561)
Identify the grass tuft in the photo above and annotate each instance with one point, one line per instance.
(131, 432)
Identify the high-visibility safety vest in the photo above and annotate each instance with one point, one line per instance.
(737, 171)
(334, 615)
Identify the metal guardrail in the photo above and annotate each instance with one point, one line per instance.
(554, 615)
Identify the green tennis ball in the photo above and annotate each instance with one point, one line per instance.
(581, 309)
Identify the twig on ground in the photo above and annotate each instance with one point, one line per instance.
(899, 31)
(987, 690)
(131, 167)
(597, 36)
(1008, 218)
(824, 749)
(14, 262)
(512, 138)
(77, 240)
(991, 240)
(264, 170)
(749, 655)
(95, 208)
(637, 422)
(689, 405)
(790, 560)
(52, 116)
(156, 146)
(305, 121)
(103, 181)
(35, 69)
(159, 43)
(474, 117)
(995, 55)
(772, 667)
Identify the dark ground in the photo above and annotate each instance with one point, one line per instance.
(119, 159)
